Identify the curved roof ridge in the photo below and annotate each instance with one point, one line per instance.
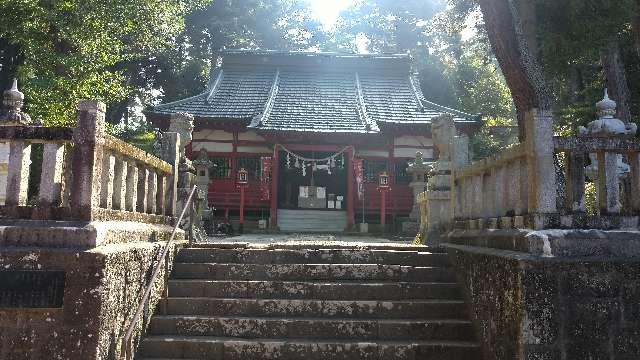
(255, 122)
(362, 108)
(450, 111)
(216, 85)
(417, 93)
(178, 102)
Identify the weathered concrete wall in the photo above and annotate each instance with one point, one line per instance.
(103, 286)
(526, 306)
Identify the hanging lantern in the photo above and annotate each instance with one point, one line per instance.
(383, 180)
(288, 161)
(243, 176)
(297, 165)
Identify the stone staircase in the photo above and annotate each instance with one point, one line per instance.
(382, 302)
(312, 221)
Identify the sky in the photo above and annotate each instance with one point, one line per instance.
(328, 11)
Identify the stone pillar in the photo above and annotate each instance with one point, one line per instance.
(51, 175)
(454, 153)
(608, 183)
(88, 137)
(170, 152)
(575, 181)
(541, 168)
(18, 173)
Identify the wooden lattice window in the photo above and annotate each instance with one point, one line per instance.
(402, 177)
(372, 168)
(252, 165)
(222, 168)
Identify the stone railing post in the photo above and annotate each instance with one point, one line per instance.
(170, 145)
(541, 173)
(88, 137)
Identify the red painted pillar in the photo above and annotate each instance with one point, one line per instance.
(350, 194)
(273, 213)
(241, 207)
(383, 208)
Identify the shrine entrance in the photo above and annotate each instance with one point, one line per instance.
(312, 188)
(312, 180)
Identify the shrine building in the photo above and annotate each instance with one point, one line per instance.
(314, 131)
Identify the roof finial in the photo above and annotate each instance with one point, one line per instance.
(606, 106)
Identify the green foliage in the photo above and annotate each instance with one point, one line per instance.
(572, 34)
(63, 51)
(227, 24)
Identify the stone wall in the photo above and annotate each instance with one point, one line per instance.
(529, 306)
(103, 286)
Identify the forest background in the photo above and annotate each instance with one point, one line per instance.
(135, 53)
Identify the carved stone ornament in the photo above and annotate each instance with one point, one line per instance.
(182, 123)
(443, 130)
(12, 114)
(202, 161)
(607, 125)
(419, 168)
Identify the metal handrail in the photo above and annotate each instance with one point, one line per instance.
(126, 342)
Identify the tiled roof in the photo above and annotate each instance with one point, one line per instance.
(313, 92)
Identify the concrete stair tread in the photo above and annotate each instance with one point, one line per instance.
(311, 272)
(324, 289)
(312, 307)
(322, 301)
(321, 245)
(317, 328)
(307, 318)
(322, 282)
(217, 339)
(422, 301)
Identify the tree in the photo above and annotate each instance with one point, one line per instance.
(66, 50)
(249, 24)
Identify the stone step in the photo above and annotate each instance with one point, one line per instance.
(310, 272)
(312, 221)
(322, 244)
(312, 328)
(313, 290)
(425, 309)
(319, 256)
(214, 348)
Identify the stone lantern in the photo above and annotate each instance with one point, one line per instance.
(608, 126)
(202, 164)
(418, 170)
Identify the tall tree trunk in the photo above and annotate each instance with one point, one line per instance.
(616, 78)
(635, 27)
(511, 26)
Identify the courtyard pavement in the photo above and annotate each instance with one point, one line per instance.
(308, 239)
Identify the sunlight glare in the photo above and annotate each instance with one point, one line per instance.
(328, 11)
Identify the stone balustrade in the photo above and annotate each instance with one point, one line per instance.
(492, 192)
(86, 174)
